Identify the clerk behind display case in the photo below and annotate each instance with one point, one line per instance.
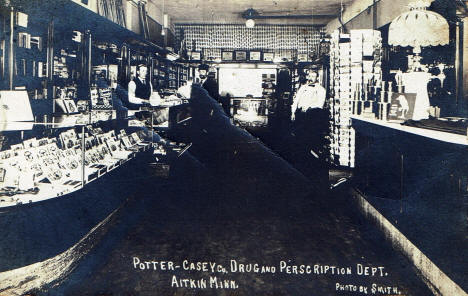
(140, 89)
(141, 94)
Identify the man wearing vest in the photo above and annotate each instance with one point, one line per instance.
(140, 90)
(140, 93)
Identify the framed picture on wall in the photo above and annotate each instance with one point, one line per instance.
(241, 55)
(255, 56)
(227, 56)
(268, 56)
(196, 55)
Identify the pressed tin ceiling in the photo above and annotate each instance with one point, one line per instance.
(229, 11)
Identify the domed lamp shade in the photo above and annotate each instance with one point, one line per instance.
(418, 28)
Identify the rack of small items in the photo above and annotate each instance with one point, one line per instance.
(45, 168)
(355, 77)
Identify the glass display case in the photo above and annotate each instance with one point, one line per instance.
(250, 111)
(47, 161)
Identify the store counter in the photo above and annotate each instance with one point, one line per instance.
(392, 158)
(417, 178)
(428, 133)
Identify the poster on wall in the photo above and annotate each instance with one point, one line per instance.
(254, 186)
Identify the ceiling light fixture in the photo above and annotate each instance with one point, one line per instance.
(418, 28)
(249, 15)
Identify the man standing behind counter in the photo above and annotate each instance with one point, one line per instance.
(310, 126)
(140, 90)
(311, 95)
(140, 94)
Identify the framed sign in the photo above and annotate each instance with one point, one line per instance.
(255, 56)
(196, 55)
(227, 56)
(268, 56)
(241, 55)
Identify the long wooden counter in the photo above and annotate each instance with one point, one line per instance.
(432, 134)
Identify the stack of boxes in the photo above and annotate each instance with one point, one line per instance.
(355, 67)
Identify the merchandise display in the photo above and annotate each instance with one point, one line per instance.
(40, 169)
(355, 78)
(253, 137)
(167, 75)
